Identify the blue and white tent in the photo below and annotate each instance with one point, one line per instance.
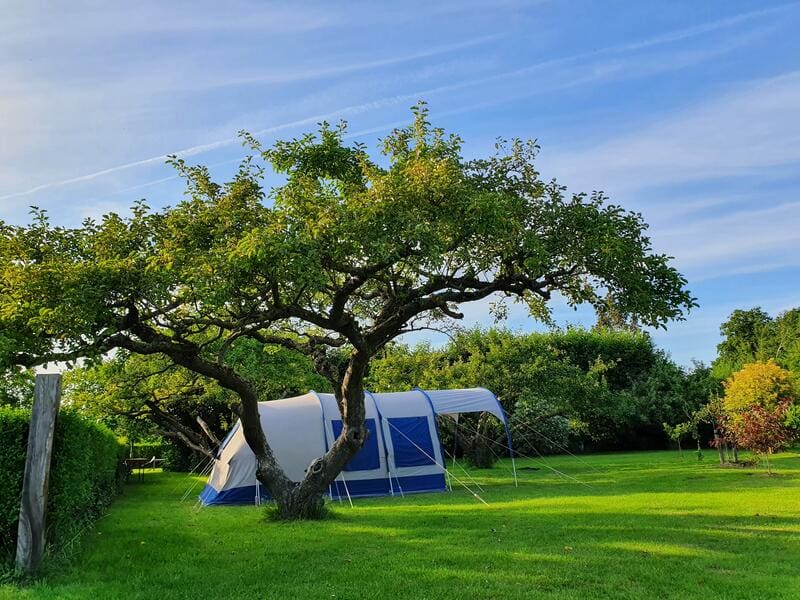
(402, 454)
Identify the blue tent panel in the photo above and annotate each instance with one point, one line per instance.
(434, 482)
(411, 440)
(369, 488)
(239, 495)
(367, 459)
(359, 488)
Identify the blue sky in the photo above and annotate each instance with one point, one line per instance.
(686, 111)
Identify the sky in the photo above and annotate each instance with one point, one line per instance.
(688, 112)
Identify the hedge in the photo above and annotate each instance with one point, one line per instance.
(85, 475)
(149, 450)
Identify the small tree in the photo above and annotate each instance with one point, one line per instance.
(677, 432)
(763, 430)
(724, 440)
(758, 402)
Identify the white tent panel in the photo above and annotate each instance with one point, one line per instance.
(295, 432)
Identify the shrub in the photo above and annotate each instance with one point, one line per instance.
(13, 441)
(483, 441)
(538, 428)
(85, 475)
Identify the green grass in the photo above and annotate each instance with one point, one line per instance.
(649, 526)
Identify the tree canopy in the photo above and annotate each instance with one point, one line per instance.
(347, 253)
(762, 385)
(755, 336)
(143, 396)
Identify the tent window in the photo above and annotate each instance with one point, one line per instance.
(411, 441)
(366, 459)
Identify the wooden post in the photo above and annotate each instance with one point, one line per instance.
(31, 531)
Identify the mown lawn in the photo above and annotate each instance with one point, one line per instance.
(646, 525)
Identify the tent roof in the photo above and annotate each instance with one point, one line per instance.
(453, 402)
(443, 402)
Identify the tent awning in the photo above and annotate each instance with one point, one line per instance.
(453, 402)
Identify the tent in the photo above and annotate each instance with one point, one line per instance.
(402, 454)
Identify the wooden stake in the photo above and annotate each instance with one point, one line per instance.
(31, 531)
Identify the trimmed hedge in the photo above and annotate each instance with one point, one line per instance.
(149, 450)
(85, 475)
(13, 441)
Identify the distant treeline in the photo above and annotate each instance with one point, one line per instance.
(585, 389)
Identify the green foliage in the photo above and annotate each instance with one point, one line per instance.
(177, 457)
(349, 253)
(16, 388)
(792, 419)
(537, 427)
(85, 475)
(754, 336)
(443, 229)
(677, 432)
(149, 450)
(13, 441)
(138, 396)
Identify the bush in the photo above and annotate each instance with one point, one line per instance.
(614, 387)
(538, 429)
(85, 474)
(177, 457)
(482, 440)
(13, 441)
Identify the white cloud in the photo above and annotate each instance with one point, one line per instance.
(746, 131)
(752, 130)
(745, 242)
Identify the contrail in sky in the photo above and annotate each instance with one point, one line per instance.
(661, 39)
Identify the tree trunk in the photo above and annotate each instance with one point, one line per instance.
(207, 430)
(173, 428)
(301, 500)
(735, 453)
(294, 501)
(304, 500)
(719, 443)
